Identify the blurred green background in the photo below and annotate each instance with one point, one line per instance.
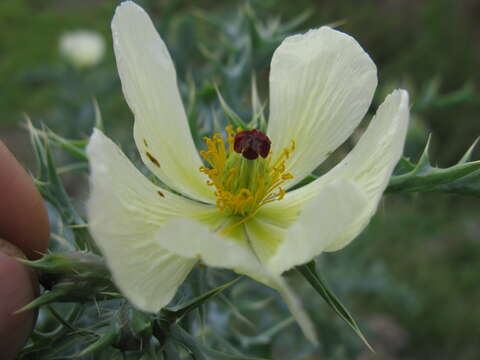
(412, 277)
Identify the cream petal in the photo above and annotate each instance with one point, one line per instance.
(321, 85)
(195, 240)
(149, 83)
(322, 221)
(369, 166)
(125, 211)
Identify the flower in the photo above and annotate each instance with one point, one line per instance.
(82, 48)
(235, 210)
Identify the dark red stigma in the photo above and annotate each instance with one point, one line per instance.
(251, 144)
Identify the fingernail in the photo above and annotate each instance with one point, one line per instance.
(11, 250)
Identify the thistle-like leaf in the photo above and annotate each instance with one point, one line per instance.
(103, 340)
(461, 178)
(423, 177)
(52, 189)
(231, 115)
(47, 297)
(200, 351)
(180, 311)
(258, 120)
(71, 264)
(310, 273)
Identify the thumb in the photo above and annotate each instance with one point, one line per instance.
(17, 288)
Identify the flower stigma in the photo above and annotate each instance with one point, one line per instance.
(244, 173)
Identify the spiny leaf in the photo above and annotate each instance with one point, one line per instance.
(461, 178)
(200, 351)
(467, 185)
(426, 178)
(98, 115)
(266, 336)
(52, 188)
(74, 264)
(75, 148)
(193, 304)
(188, 342)
(310, 273)
(258, 121)
(102, 342)
(232, 116)
(468, 154)
(46, 298)
(218, 355)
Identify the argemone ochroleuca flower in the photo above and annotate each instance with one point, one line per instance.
(82, 48)
(234, 209)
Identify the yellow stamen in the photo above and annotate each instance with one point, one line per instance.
(242, 186)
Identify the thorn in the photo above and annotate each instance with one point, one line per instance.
(46, 298)
(468, 155)
(98, 114)
(424, 160)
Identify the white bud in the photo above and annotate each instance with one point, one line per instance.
(82, 48)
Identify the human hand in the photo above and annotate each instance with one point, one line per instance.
(24, 232)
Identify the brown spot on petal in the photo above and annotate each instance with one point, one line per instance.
(145, 143)
(160, 193)
(152, 159)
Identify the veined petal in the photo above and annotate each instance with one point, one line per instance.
(372, 161)
(125, 211)
(149, 83)
(195, 240)
(322, 221)
(321, 85)
(369, 166)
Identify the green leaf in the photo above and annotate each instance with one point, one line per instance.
(98, 115)
(305, 181)
(267, 335)
(102, 342)
(188, 342)
(258, 121)
(310, 273)
(51, 187)
(75, 264)
(178, 313)
(218, 355)
(460, 178)
(231, 115)
(47, 297)
(200, 351)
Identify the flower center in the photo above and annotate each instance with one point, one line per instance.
(243, 172)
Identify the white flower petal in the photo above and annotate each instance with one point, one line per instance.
(372, 161)
(193, 239)
(149, 84)
(321, 85)
(125, 210)
(322, 221)
(369, 165)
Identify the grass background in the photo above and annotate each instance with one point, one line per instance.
(412, 276)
